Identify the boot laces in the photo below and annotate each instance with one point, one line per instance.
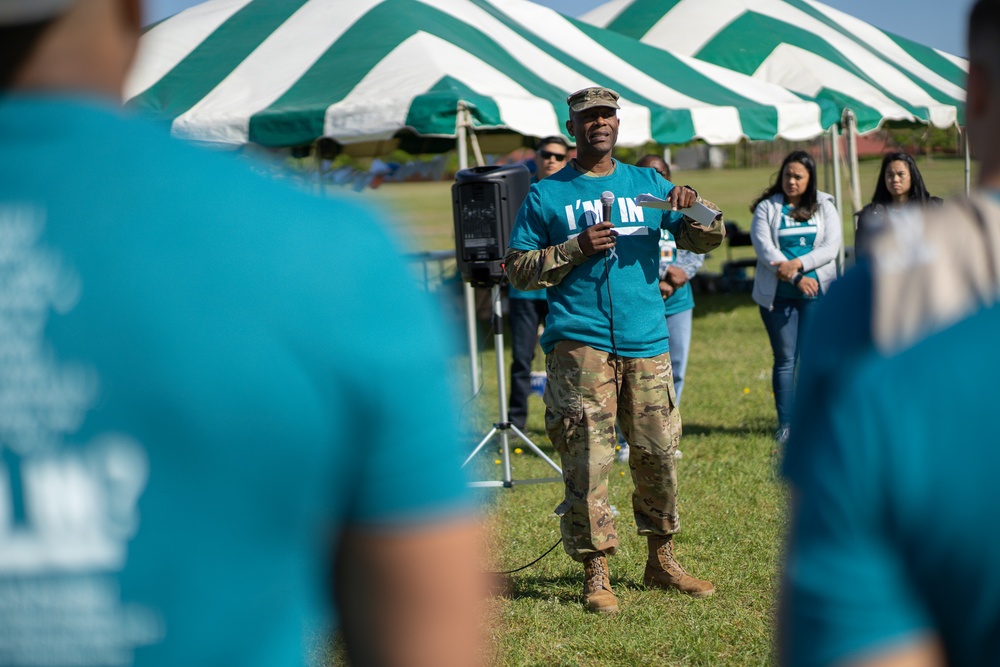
(598, 575)
(667, 559)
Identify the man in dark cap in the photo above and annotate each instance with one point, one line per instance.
(606, 342)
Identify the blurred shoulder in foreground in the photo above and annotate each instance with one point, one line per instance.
(891, 560)
(206, 436)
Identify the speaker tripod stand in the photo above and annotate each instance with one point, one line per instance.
(503, 427)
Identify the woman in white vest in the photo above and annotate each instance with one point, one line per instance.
(796, 233)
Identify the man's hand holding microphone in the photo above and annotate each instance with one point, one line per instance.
(600, 237)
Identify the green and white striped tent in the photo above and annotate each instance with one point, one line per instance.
(288, 72)
(807, 47)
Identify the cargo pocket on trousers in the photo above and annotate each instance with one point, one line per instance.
(563, 419)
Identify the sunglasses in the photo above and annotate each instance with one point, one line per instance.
(545, 155)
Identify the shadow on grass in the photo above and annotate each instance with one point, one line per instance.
(545, 587)
(721, 303)
(757, 427)
(567, 588)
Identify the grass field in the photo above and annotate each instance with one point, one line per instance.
(731, 511)
(732, 504)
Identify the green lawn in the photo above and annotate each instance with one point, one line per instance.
(732, 504)
(731, 510)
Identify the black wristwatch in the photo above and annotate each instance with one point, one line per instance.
(798, 277)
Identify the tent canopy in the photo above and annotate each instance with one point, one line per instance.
(289, 72)
(807, 47)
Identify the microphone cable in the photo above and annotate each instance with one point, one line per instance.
(525, 567)
(607, 200)
(611, 322)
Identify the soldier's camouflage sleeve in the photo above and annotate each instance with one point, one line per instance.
(537, 269)
(699, 238)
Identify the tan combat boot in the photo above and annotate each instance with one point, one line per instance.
(597, 594)
(663, 570)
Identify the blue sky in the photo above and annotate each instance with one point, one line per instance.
(925, 21)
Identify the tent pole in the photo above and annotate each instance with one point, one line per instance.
(851, 123)
(968, 160)
(824, 145)
(469, 293)
(835, 137)
(461, 132)
(474, 140)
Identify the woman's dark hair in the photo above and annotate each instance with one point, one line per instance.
(807, 203)
(918, 191)
(554, 139)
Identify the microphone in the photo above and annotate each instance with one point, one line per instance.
(607, 199)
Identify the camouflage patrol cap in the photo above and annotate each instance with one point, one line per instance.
(596, 96)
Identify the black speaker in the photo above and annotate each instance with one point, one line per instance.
(485, 201)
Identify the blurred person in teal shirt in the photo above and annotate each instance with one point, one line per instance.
(892, 555)
(184, 376)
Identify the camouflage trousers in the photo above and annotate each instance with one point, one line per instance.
(582, 404)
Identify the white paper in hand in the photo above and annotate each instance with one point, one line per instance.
(697, 212)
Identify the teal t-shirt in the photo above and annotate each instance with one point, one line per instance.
(682, 299)
(795, 239)
(559, 208)
(535, 294)
(196, 377)
(894, 488)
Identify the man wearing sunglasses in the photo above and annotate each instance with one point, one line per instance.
(529, 308)
(550, 156)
